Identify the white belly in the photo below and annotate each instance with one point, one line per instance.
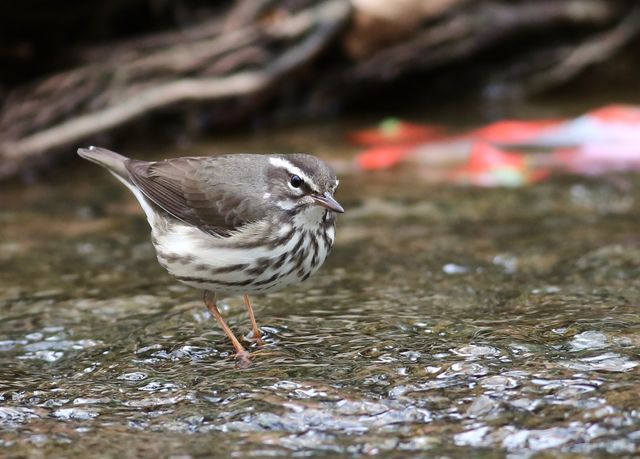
(212, 263)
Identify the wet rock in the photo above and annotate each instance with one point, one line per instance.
(464, 369)
(76, 414)
(47, 356)
(481, 406)
(610, 361)
(419, 443)
(133, 376)
(364, 407)
(538, 440)
(507, 261)
(476, 351)
(498, 383)
(91, 401)
(527, 404)
(452, 268)
(590, 339)
(156, 386)
(473, 437)
(154, 401)
(16, 415)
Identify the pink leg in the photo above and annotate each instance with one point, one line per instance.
(241, 354)
(257, 334)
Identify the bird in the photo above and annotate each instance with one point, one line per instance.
(235, 224)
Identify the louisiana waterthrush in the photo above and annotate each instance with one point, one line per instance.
(233, 224)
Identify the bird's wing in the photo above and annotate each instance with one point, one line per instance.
(199, 191)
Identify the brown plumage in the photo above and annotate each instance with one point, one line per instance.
(235, 223)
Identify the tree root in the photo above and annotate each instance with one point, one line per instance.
(254, 50)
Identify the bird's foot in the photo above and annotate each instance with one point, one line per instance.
(243, 359)
(253, 337)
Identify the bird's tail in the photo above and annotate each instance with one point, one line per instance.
(117, 165)
(110, 160)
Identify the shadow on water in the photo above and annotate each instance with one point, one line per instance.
(448, 321)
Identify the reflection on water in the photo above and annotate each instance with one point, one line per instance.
(446, 321)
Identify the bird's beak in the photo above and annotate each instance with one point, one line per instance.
(326, 200)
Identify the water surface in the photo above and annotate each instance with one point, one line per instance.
(447, 322)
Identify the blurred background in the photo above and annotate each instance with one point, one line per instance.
(482, 297)
(152, 73)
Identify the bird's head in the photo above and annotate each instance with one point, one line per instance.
(299, 182)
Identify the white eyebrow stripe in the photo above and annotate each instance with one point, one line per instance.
(293, 170)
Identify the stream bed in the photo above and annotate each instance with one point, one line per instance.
(447, 322)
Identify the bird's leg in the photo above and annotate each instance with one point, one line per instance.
(257, 334)
(241, 353)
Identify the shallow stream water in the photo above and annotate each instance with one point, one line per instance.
(448, 321)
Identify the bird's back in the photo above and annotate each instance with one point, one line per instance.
(212, 225)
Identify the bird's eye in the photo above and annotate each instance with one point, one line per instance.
(296, 181)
